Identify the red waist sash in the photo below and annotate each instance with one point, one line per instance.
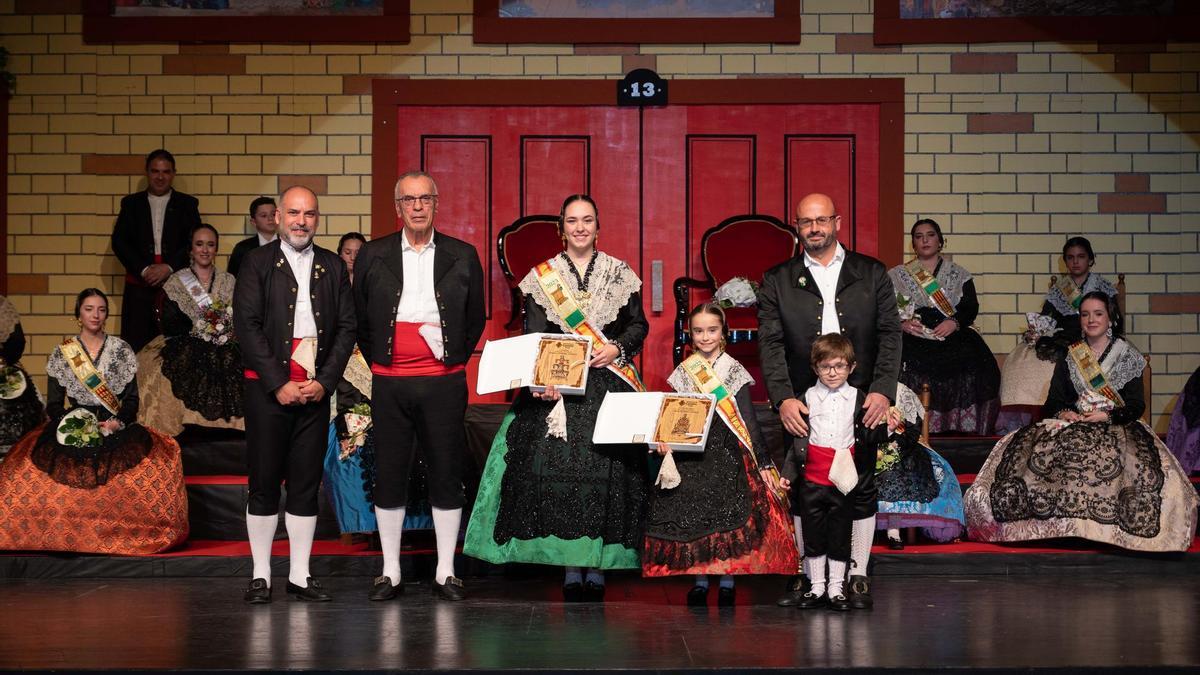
(816, 467)
(296, 372)
(136, 279)
(411, 356)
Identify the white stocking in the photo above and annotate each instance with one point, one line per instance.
(445, 527)
(391, 527)
(300, 531)
(261, 532)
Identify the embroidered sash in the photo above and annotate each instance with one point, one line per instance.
(1072, 293)
(928, 284)
(706, 380)
(85, 371)
(195, 289)
(1092, 374)
(569, 311)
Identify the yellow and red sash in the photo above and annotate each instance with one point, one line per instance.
(928, 284)
(85, 371)
(1070, 291)
(572, 314)
(1093, 374)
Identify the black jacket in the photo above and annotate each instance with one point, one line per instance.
(264, 303)
(239, 253)
(133, 234)
(458, 284)
(789, 320)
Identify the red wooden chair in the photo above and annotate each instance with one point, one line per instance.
(741, 246)
(520, 246)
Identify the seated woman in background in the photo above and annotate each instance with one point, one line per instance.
(1025, 379)
(937, 306)
(917, 487)
(21, 408)
(92, 479)
(1183, 435)
(192, 373)
(1092, 468)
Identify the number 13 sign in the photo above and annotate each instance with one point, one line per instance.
(642, 87)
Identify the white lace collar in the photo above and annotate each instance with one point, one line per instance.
(117, 364)
(1121, 365)
(951, 278)
(733, 375)
(8, 319)
(611, 284)
(1094, 282)
(222, 290)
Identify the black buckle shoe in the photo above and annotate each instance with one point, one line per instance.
(573, 592)
(310, 593)
(725, 596)
(839, 603)
(593, 592)
(383, 589)
(452, 590)
(811, 600)
(895, 544)
(797, 586)
(258, 592)
(860, 592)
(698, 596)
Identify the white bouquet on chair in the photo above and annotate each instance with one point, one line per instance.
(1040, 326)
(737, 292)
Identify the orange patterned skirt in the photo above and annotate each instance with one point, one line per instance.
(141, 510)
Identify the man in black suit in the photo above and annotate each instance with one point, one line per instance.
(294, 318)
(151, 239)
(262, 215)
(418, 296)
(828, 289)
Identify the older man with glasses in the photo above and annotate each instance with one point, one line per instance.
(828, 289)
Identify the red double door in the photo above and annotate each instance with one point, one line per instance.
(661, 178)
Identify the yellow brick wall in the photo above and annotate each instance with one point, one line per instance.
(1083, 117)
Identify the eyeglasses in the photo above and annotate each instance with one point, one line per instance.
(408, 201)
(807, 222)
(830, 368)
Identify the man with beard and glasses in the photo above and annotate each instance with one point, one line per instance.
(828, 289)
(294, 317)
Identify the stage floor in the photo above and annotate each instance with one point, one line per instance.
(1058, 623)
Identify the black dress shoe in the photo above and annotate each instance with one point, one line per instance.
(451, 590)
(384, 590)
(725, 596)
(860, 592)
(797, 586)
(573, 592)
(811, 600)
(258, 592)
(895, 544)
(593, 592)
(310, 593)
(839, 603)
(698, 596)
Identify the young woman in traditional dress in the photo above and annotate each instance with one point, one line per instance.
(722, 511)
(1092, 468)
(192, 373)
(937, 297)
(21, 407)
(92, 479)
(547, 495)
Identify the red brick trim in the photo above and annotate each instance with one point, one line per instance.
(999, 123)
(983, 63)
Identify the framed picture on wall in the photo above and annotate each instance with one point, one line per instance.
(275, 21)
(949, 21)
(636, 21)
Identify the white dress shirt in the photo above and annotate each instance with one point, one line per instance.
(304, 325)
(831, 415)
(826, 277)
(263, 241)
(158, 213)
(418, 301)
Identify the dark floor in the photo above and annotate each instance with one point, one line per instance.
(1018, 623)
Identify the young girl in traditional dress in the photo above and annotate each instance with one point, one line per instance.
(725, 515)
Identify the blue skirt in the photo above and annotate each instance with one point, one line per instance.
(941, 518)
(351, 482)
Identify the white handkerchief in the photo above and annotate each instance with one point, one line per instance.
(305, 354)
(841, 471)
(432, 334)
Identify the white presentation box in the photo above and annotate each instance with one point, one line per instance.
(535, 360)
(646, 417)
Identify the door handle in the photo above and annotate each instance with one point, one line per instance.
(656, 287)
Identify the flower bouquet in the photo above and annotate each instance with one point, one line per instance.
(1040, 326)
(79, 429)
(358, 423)
(908, 310)
(737, 292)
(12, 382)
(215, 323)
(887, 457)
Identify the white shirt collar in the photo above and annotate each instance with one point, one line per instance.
(405, 246)
(263, 241)
(838, 256)
(288, 249)
(844, 392)
(159, 198)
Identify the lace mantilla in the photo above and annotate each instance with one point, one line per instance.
(8, 319)
(610, 286)
(909, 404)
(118, 365)
(1121, 365)
(222, 290)
(1094, 282)
(733, 374)
(951, 278)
